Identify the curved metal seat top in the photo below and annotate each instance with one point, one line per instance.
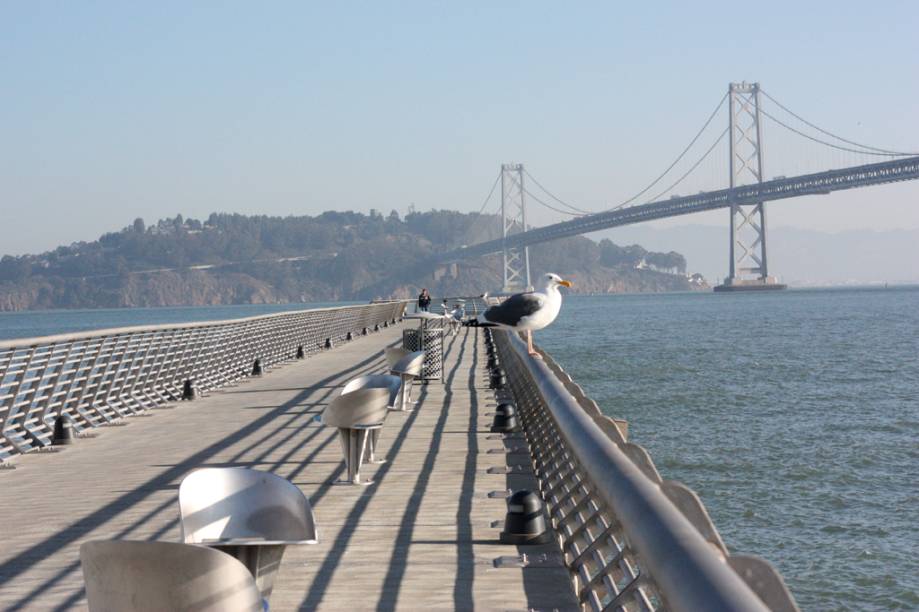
(366, 407)
(410, 364)
(424, 316)
(376, 381)
(394, 354)
(155, 576)
(243, 506)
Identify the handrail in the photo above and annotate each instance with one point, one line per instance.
(613, 513)
(100, 377)
(111, 331)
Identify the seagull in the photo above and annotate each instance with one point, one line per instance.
(526, 311)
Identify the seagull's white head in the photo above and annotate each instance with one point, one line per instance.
(553, 280)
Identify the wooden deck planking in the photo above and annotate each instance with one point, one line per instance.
(420, 537)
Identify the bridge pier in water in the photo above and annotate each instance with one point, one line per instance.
(748, 264)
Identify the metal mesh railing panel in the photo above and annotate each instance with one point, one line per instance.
(607, 569)
(102, 377)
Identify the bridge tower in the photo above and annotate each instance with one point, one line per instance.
(748, 264)
(513, 221)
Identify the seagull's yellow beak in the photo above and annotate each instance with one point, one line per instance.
(564, 283)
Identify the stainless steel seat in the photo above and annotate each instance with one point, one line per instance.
(126, 576)
(394, 354)
(356, 414)
(455, 319)
(408, 368)
(376, 381)
(248, 514)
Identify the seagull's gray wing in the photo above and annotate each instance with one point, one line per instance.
(513, 309)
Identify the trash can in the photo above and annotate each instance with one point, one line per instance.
(427, 337)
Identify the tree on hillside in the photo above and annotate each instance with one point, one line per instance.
(335, 255)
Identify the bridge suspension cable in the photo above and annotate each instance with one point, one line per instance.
(691, 169)
(536, 199)
(830, 144)
(490, 193)
(556, 198)
(678, 159)
(878, 151)
(580, 212)
(476, 225)
(554, 203)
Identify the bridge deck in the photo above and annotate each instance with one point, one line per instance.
(420, 537)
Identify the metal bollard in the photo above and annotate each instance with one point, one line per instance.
(525, 522)
(188, 390)
(63, 432)
(498, 379)
(505, 421)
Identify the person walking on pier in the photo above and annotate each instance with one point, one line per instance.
(424, 301)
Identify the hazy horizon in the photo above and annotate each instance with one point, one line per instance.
(799, 257)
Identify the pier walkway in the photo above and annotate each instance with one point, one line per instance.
(424, 535)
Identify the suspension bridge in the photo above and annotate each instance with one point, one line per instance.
(502, 486)
(852, 165)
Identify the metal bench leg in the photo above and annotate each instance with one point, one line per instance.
(372, 443)
(358, 449)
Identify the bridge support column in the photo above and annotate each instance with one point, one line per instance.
(514, 220)
(748, 264)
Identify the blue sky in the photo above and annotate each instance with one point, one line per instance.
(114, 110)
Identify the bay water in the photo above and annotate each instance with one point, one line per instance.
(49, 322)
(794, 415)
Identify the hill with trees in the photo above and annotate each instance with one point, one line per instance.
(233, 259)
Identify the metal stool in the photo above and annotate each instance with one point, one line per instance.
(408, 369)
(394, 354)
(376, 381)
(250, 515)
(356, 415)
(154, 576)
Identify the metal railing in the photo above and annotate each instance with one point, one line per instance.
(101, 377)
(472, 305)
(631, 540)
